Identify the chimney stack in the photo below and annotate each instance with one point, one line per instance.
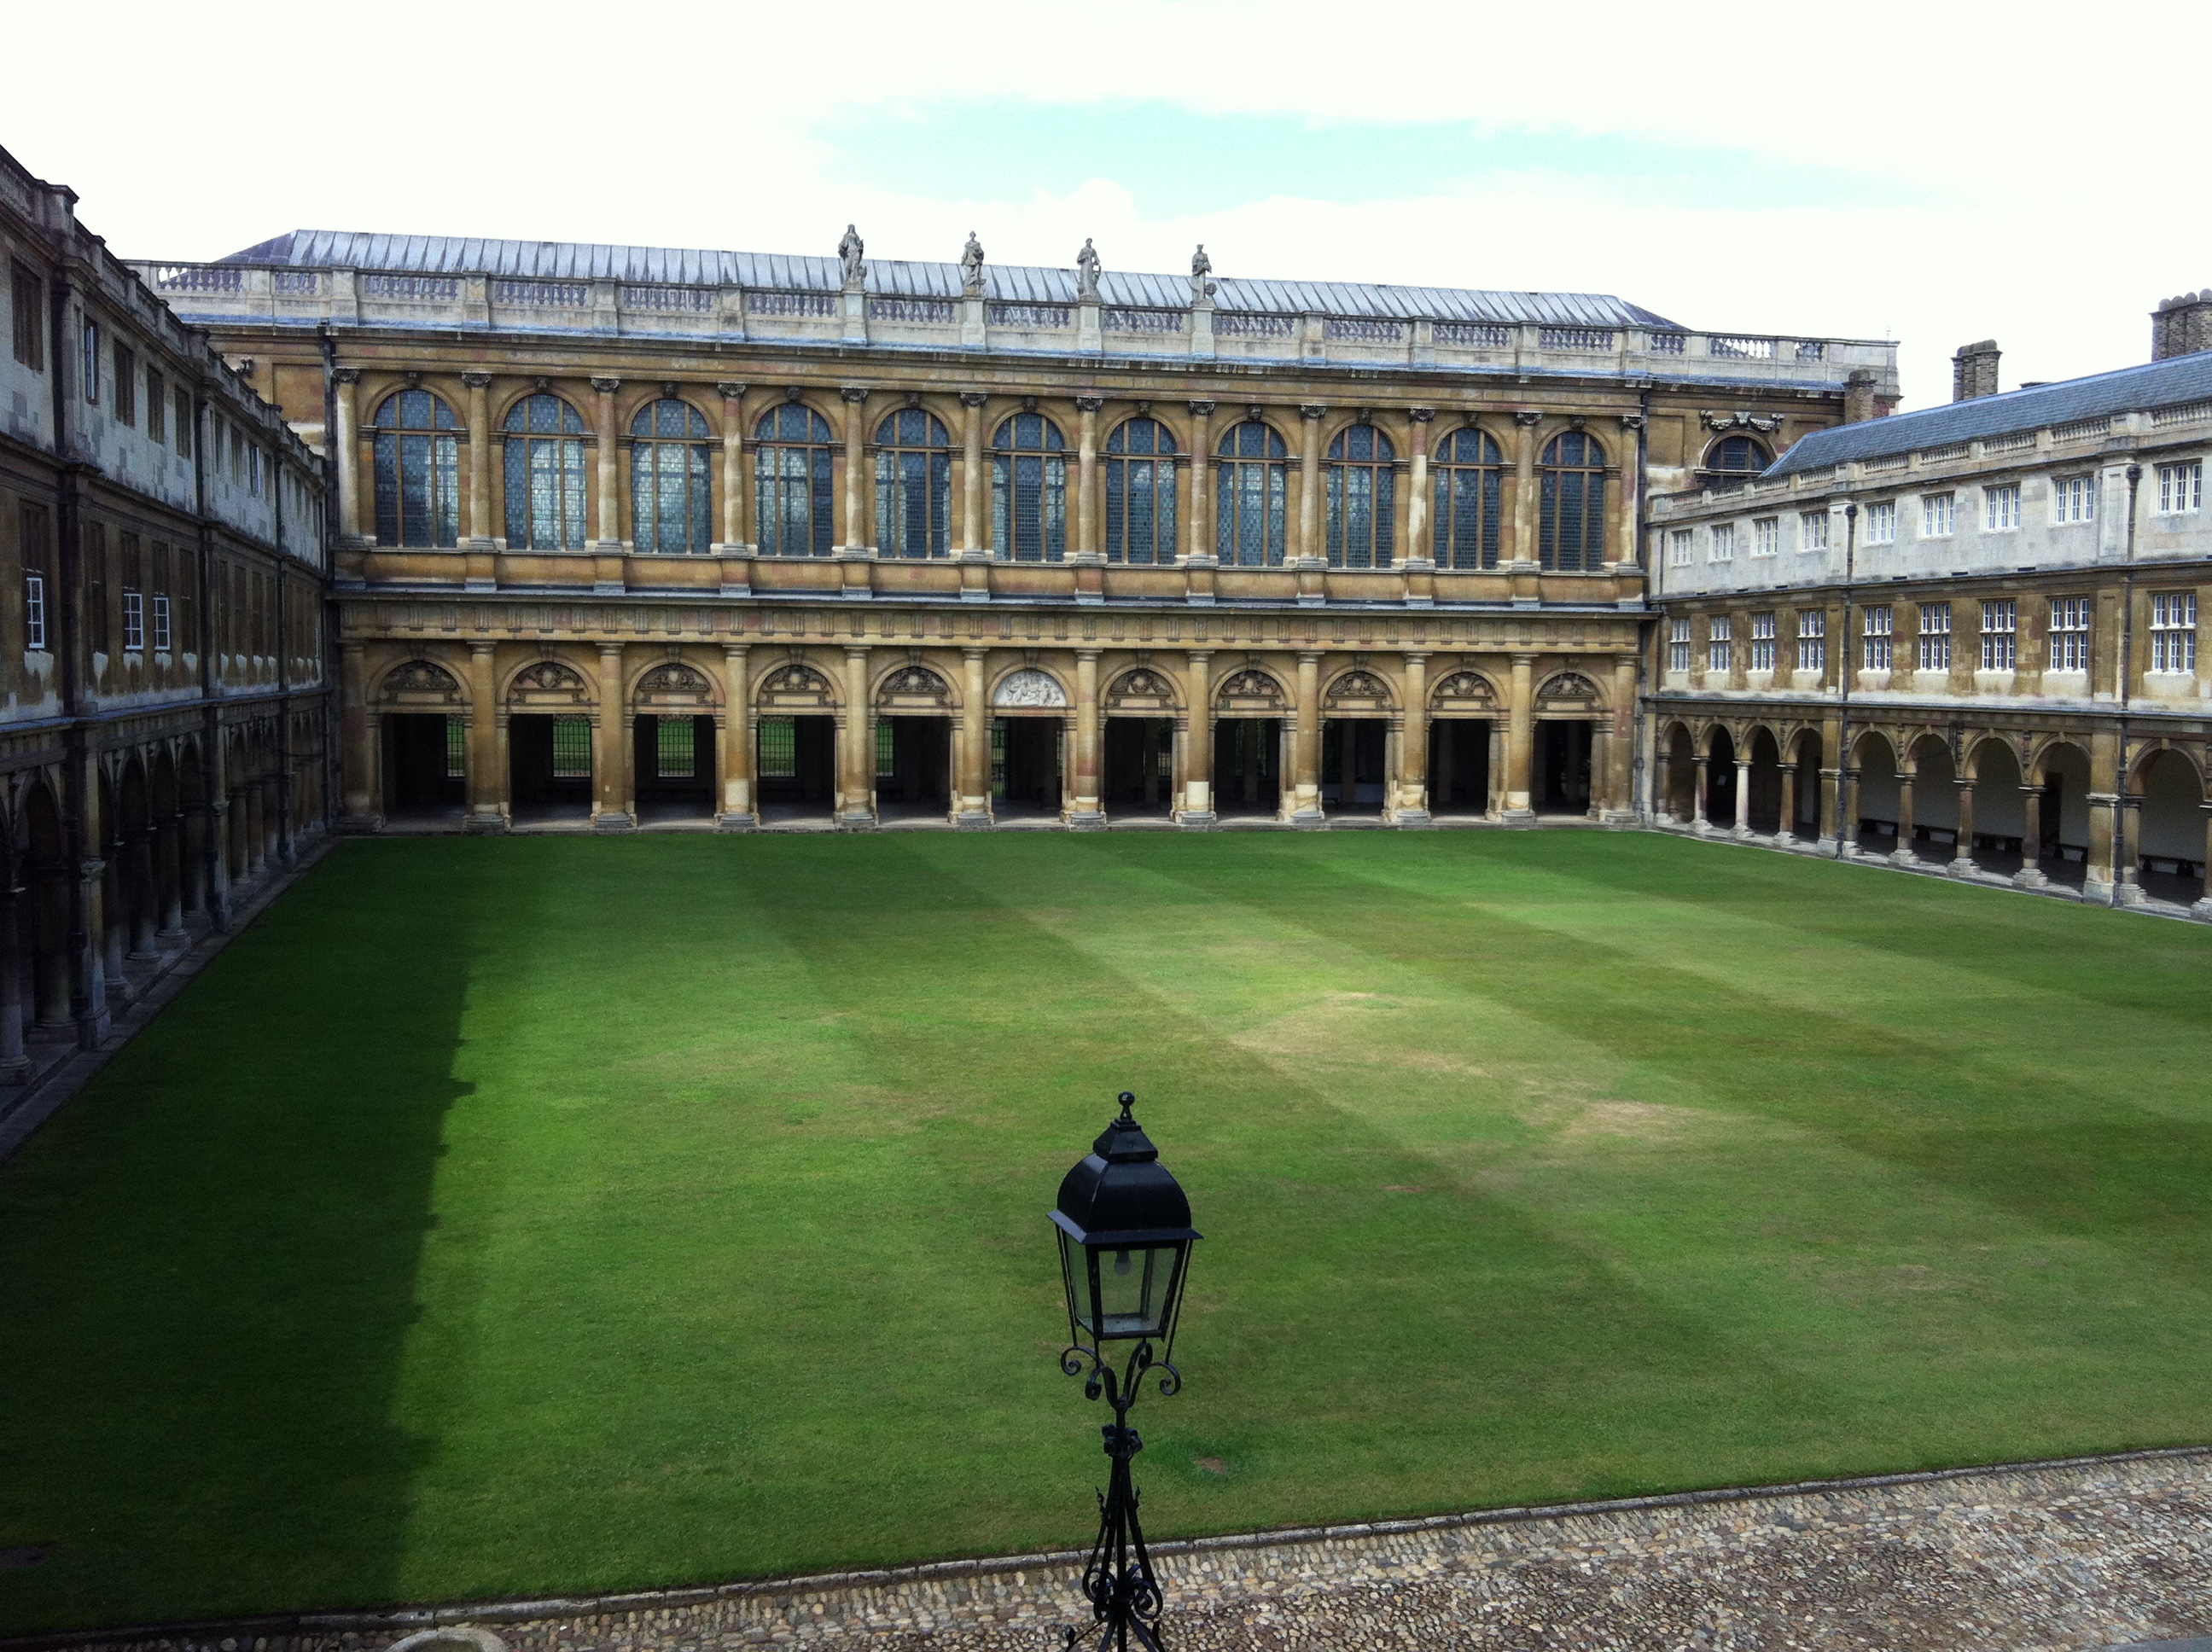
(1862, 400)
(1974, 371)
(2181, 326)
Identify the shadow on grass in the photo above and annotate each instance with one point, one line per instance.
(208, 1263)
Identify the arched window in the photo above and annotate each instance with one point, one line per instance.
(544, 474)
(1028, 490)
(1252, 483)
(1571, 536)
(419, 471)
(671, 498)
(791, 470)
(1363, 498)
(1738, 455)
(1140, 492)
(1470, 474)
(914, 485)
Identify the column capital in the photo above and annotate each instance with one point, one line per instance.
(1528, 418)
(1091, 654)
(853, 393)
(975, 398)
(478, 650)
(1524, 659)
(1632, 422)
(346, 375)
(730, 391)
(1420, 414)
(974, 651)
(1311, 410)
(1201, 409)
(856, 651)
(1310, 656)
(1090, 404)
(606, 387)
(476, 380)
(1415, 657)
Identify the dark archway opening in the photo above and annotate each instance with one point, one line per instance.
(425, 763)
(1351, 759)
(550, 766)
(1025, 765)
(1563, 769)
(1765, 782)
(1139, 764)
(1720, 780)
(796, 759)
(1807, 801)
(913, 766)
(1458, 766)
(1248, 756)
(673, 761)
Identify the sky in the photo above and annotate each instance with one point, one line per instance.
(1931, 171)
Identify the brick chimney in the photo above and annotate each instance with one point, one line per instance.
(2181, 326)
(1974, 371)
(1861, 399)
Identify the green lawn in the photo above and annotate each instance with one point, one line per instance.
(513, 1216)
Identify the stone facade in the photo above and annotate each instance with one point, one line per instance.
(162, 714)
(1319, 656)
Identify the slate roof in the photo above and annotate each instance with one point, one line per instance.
(2178, 380)
(1007, 282)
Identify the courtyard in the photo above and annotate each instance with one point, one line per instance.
(534, 1216)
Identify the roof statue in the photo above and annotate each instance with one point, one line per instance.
(971, 267)
(1086, 273)
(1201, 290)
(848, 255)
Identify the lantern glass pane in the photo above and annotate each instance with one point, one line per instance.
(1132, 1289)
(1075, 1268)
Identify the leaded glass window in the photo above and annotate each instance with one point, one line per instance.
(544, 474)
(1362, 496)
(1470, 484)
(572, 748)
(1571, 538)
(674, 758)
(671, 493)
(1140, 492)
(1252, 486)
(419, 471)
(792, 467)
(1028, 490)
(1738, 455)
(914, 485)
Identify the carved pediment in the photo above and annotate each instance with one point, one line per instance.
(418, 679)
(1029, 688)
(548, 679)
(1568, 685)
(1360, 690)
(1739, 421)
(1250, 689)
(676, 680)
(915, 685)
(796, 685)
(1142, 689)
(1465, 692)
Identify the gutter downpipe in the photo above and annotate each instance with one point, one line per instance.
(2123, 879)
(1646, 629)
(1846, 831)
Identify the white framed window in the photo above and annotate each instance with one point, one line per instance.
(2000, 636)
(2069, 634)
(2001, 506)
(2180, 487)
(1720, 545)
(1939, 516)
(255, 481)
(34, 611)
(1881, 522)
(1875, 637)
(134, 620)
(1813, 639)
(2173, 631)
(1762, 642)
(1720, 643)
(1934, 636)
(1678, 547)
(91, 368)
(161, 623)
(1766, 536)
(1812, 530)
(1677, 646)
(2074, 499)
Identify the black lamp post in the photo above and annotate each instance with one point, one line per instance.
(1125, 1240)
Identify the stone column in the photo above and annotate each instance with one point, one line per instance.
(14, 1064)
(345, 448)
(1412, 802)
(1521, 743)
(482, 528)
(1197, 532)
(487, 776)
(739, 811)
(734, 537)
(1903, 849)
(1196, 810)
(1418, 551)
(1311, 541)
(610, 756)
(2030, 875)
(856, 768)
(973, 804)
(1742, 795)
(1087, 546)
(357, 749)
(1663, 783)
(1785, 830)
(2203, 908)
(1620, 748)
(609, 478)
(2098, 883)
(1301, 802)
(2127, 854)
(1526, 512)
(856, 537)
(1701, 796)
(974, 534)
(1085, 810)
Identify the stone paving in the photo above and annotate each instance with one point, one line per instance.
(2087, 1553)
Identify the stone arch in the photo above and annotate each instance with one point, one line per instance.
(1877, 796)
(1804, 750)
(1677, 777)
(2059, 771)
(674, 684)
(915, 689)
(168, 842)
(1358, 692)
(193, 840)
(1250, 691)
(1992, 772)
(795, 686)
(1934, 795)
(421, 684)
(1463, 694)
(1143, 691)
(550, 684)
(1027, 689)
(2165, 795)
(46, 865)
(1721, 742)
(1569, 691)
(1764, 749)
